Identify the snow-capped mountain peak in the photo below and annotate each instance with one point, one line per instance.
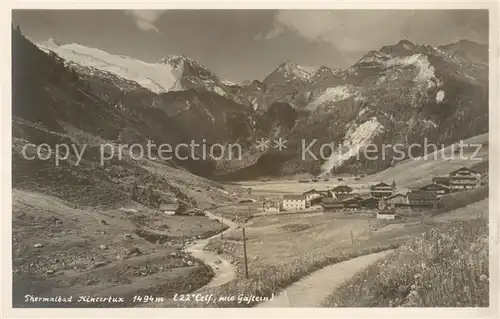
(174, 60)
(195, 75)
(50, 44)
(289, 71)
(156, 77)
(297, 70)
(403, 47)
(171, 73)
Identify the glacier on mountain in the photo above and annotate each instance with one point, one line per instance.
(156, 77)
(356, 138)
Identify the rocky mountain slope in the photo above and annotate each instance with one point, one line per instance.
(401, 93)
(82, 228)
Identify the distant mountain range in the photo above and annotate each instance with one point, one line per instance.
(398, 94)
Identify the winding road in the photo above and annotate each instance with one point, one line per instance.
(312, 290)
(224, 271)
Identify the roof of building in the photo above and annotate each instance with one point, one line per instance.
(169, 206)
(310, 191)
(381, 184)
(293, 197)
(462, 177)
(352, 199)
(342, 188)
(440, 178)
(396, 195)
(386, 212)
(420, 195)
(369, 198)
(464, 169)
(332, 202)
(435, 186)
(326, 191)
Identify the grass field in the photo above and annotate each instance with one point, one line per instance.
(283, 242)
(283, 249)
(444, 267)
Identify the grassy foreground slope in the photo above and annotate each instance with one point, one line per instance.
(441, 268)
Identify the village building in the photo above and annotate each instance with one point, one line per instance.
(419, 199)
(332, 204)
(327, 193)
(370, 202)
(270, 207)
(195, 212)
(169, 208)
(342, 190)
(386, 214)
(464, 178)
(441, 180)
(438, 189)
(395, 201)
(382, 190)
(316, 201)
(352, 203)
(312, 194)
(294, 202)
(246, 201)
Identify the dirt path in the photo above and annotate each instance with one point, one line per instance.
(224, 271)
(310, 291)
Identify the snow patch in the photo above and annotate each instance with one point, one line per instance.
(355, 139)
(156, 77)
(218, 90)
(361, 112)
(421, 62)
(332, 95)
(255, 103)
(407, 47)
(440, 96)
(228, 83)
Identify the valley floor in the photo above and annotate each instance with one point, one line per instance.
(63, 249)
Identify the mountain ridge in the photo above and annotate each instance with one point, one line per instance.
(402, 92)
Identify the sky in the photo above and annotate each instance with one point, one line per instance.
(249, 44)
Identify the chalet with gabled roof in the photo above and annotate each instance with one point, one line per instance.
(442, 180)
(464, 178)
(342, 190)
(311, 194)
(332, 204)
(294, 202)
(438, 189)
(395, 201)
(420, 199)
(352, 203)
(169, 207)
(370, 202)
(327, 193)
(381, 190)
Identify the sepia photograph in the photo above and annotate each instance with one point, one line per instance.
(250, 158)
